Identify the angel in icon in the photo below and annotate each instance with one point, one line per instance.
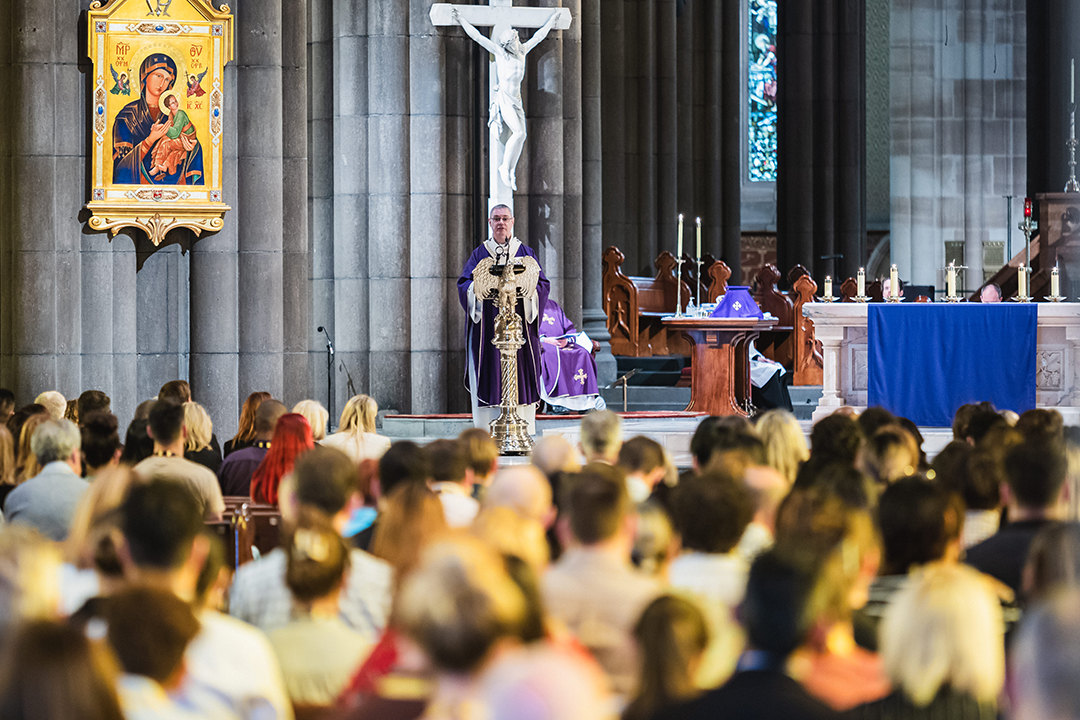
(121, 83)
(194, 84)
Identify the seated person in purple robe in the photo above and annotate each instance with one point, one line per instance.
(482, 370)
(569, 369)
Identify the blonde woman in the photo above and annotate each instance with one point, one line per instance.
(943, 648)
(316, 415)
(785, 443)
(356, 431)
(200, 431)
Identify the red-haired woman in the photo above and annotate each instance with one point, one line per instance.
(292, 438)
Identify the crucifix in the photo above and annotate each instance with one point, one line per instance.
(506, 73)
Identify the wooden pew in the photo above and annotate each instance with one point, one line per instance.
(634, 306)
(792, 342)
(248, 526)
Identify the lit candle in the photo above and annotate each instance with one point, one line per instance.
(1072, 81)
(1021, 282)
(828, 286)
(679, 254)
(861, 287)
(1027, 207)
(950, 280)
(1054, 279)
(699, 239)
(894, 282)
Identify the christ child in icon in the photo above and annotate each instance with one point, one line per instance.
(179, 139)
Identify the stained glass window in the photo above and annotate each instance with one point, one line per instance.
(762, 91)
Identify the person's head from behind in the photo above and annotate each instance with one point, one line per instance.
(1035, 479)
(597, 508)
(920, 522)
(523, 489)
(836, 438)
(1053, 561)
(54, 403)
(890, 454)
(943, 629)
(7, 405)
(840, 539)
(645, 464)
(961, 419)
(161, 523)
(138, 445)
(199, 430)
(482, 452)
(149, 630)
(655, 540)
(246, 431)
(990, 293)
(975, 475)
(267, 415)
(410, 519)
(316, 415)
(1045, 659)
(326, 480)
(292, 438)
(449, 462)
(29, 577)
(981, 422)
(545, 682)
(57, 441)
(601, 436)
(359, 415)
(7, 457)
(509, 533)
(554, 454)
(715, 435)
(777, 612)
(53, 671)
(95, 526)
(20, 417)
(671, 637)
(175, 391)
(318, 561)
(93, 401)
(785, 443)
(404, 462)
(851, 485)
(100, 441)
(1041, 425)
(712, 511)
(166, 423)
(873, 418)
(458, 603)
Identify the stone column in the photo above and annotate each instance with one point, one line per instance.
(667, 197)
(648, 228)
(298, 340)
(546, 169)
(594, 319)
(572, 300)
(260, 199)
(612, 64)
(731, 80)
(389, 221)
(348, 295)
(1053, 39)
(428, 261)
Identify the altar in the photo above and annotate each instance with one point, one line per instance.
(842, 330)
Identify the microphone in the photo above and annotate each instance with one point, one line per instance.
(329, 342)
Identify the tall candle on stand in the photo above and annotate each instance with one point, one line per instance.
(950, 280)
(861, 283)
(894, 282)
(1021, 282)
(699, 239)
(828, 286)
(1055, 279)
(679, 254)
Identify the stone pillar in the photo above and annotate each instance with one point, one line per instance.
(612, 63)
(430, 286)
(348, 294)
(320, 175)
(820, 134)
(666, 191)
(648, 228)
(572, 300)
(594, 319)
(389, 221)
(260, 199)
(1053, 39)
(298, 341)
(731, 81)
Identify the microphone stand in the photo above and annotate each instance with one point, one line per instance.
(329, 371)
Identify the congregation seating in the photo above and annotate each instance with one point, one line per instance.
(635, 305)
(247, 527)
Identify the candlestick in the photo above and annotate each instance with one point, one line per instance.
(950, 280)
(699, 239)
(1021, 284)
(1072, 81)
(678, 272)
(861, 283)
(679, 254)
(828, 288)
(894, 282)
(1055, 279)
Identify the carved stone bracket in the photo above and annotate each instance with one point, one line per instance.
(157, 226)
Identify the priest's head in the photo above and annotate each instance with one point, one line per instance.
(502, 223)
(990, 293)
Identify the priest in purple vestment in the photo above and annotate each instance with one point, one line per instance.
(569, 369)
(483, 374)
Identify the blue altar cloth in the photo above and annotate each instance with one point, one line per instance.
(926, 360)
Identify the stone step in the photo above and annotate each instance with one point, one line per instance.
(647, 398)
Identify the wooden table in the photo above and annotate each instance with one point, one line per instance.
(720, 379)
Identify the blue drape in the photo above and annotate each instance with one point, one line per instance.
(925, 360)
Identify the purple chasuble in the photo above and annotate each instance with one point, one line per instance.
(479, 337)
(568, 371)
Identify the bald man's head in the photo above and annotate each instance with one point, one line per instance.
(266, 417)
(554, 453)
(523, 489)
